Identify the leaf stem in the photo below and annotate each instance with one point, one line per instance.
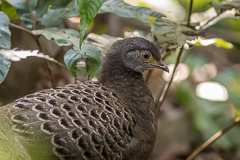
(213, 139)
(162, 97)
(21, 28)
(190, 12)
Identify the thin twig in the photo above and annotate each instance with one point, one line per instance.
(190, 12)
(21, 28)
(213, 139)
(161, 98)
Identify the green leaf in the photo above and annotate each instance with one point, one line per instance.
(9, 10)
(71, 58)
(4, 67)
(4, 32)
(4, 44)
(92, 57)
(123, 9)
(54, 17)
(173, 33)
(218, 42)
(90, 54)
(87, 10)
(50, 13)
(165, 30)
(18, 55)
(63, 37)
(225, 5)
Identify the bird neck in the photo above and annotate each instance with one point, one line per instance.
(129, 85)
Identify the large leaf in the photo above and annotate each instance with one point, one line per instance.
(4, 44)
(87, 10)
(63, 37)
(165, 30)
(125, 10)
(50, 13)
(56, 16)
(4, 32)
(173, 33)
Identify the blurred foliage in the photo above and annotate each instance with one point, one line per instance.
(48, 19)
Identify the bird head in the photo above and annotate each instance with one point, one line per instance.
(139, 54)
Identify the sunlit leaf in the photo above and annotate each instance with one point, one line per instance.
(210, 17)
(87, 10)
(214, 41)
(151, 20)
(18, 55)
(237, 113)
(9, 10)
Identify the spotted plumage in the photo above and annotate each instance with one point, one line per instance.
(113, 118)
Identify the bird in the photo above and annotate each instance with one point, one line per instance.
(113, 118)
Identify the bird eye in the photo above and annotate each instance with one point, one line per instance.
(146, 56)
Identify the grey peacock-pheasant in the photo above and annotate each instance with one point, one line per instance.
(111, 119)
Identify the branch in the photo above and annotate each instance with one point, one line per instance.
(162, 97)
(190, 12)
(213, 139)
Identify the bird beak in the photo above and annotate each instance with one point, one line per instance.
(162, 66)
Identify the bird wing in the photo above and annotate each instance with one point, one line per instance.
(78, 121)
